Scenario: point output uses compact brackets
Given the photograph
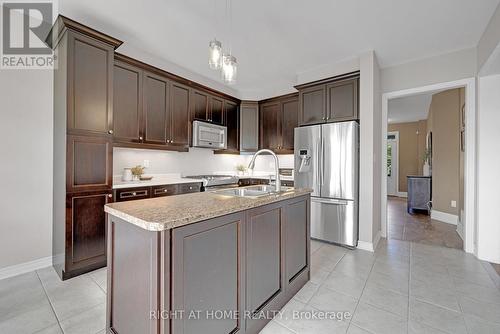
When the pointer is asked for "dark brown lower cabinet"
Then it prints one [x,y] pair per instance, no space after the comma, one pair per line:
[207,270]
[215,276]
[85,232]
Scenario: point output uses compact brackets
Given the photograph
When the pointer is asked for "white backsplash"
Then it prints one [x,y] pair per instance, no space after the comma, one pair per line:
[196,161]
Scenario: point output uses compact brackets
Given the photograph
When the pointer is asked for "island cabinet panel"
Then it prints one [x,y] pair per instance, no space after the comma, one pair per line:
[156,113]
[90,74]
[207,266]
[264,279]
[297,245]
[221,275]
[127,103]
[134,279]
[85,231]
[179,105]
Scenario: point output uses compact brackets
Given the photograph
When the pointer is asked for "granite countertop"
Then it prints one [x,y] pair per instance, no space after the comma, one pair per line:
[158,180]
[164,213]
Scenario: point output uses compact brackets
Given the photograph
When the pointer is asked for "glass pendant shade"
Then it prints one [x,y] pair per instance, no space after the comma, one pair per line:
[229,68]
[215,55]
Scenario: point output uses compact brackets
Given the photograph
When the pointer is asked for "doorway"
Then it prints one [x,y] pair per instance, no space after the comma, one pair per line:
[468,140]
[392,163]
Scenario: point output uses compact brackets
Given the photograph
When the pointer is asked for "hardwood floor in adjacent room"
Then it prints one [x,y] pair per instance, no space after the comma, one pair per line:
[418,227]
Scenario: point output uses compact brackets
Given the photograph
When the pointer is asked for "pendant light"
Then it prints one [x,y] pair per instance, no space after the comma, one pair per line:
[229,63]
[215,47]
[215,54]
[229,68]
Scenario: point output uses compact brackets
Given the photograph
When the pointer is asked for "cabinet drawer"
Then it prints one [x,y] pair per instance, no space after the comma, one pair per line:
[166,190]
[123,195]
[189,188]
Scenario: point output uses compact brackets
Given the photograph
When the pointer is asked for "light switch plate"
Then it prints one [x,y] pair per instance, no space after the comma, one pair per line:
[453,204]
[145,163]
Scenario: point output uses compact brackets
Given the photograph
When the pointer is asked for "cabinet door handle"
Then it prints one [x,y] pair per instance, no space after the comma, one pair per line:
[171,141]
[110,132]
[110,195]
[141,138]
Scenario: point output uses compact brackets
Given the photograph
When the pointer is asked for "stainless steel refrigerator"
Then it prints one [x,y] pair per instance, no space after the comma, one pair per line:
[327,160]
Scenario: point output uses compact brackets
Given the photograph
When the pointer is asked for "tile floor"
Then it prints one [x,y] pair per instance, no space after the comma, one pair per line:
[403,287]
[419,227]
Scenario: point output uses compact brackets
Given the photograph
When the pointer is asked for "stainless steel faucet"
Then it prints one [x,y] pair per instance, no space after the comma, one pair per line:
[251,165]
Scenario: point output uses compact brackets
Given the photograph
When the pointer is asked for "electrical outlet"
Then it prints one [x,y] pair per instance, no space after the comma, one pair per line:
[453,204]
[145,163]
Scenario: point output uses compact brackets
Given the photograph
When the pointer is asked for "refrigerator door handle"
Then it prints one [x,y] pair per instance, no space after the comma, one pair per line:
[321,153]
[318,161]
[330,201]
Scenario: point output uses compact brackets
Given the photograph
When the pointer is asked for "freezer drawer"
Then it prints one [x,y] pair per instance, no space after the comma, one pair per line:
[334,220]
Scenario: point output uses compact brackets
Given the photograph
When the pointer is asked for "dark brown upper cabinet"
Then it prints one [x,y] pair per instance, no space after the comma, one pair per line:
[156,120]
[329,100]
[179,114]
[249,126]
[232,123]
[127,103]
[289,121]
[312,105]
[278,119]
[90,77]
[199,104]
[216,110]
[269,125]
[342,100]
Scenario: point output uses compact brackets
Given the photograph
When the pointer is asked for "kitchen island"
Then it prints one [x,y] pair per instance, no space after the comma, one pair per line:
[205,262]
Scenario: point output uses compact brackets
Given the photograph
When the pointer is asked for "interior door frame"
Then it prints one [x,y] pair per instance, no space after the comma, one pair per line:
[470,242]
[395,171]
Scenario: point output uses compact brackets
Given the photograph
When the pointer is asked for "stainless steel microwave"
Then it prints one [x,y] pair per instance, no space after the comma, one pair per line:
[209,135]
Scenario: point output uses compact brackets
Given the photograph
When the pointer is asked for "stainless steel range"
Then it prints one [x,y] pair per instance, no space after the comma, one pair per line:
[215,182]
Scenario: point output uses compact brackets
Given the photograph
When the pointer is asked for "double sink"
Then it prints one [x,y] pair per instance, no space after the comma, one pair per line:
[252,191]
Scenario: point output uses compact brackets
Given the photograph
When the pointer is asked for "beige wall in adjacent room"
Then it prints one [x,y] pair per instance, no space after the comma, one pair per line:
[411,149]
[444,122]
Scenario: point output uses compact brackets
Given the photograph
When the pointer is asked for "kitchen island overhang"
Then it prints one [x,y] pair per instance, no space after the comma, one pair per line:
[205,263]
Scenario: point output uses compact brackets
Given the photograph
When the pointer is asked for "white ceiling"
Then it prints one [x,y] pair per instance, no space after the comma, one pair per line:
[275,40]
[409,108]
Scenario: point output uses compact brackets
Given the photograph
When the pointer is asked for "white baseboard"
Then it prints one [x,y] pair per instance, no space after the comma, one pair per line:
[402,194]
[25,267]
[369,246]
[444,217]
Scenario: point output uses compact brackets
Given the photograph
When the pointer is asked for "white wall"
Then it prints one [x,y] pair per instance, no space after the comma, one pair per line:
[488,163]
[196,161]
[26,166]
[443,68]
[370,151]
[489,40]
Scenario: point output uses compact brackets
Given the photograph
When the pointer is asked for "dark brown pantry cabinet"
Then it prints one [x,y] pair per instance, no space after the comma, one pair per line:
[329,100]
[83,129]
[278,118]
